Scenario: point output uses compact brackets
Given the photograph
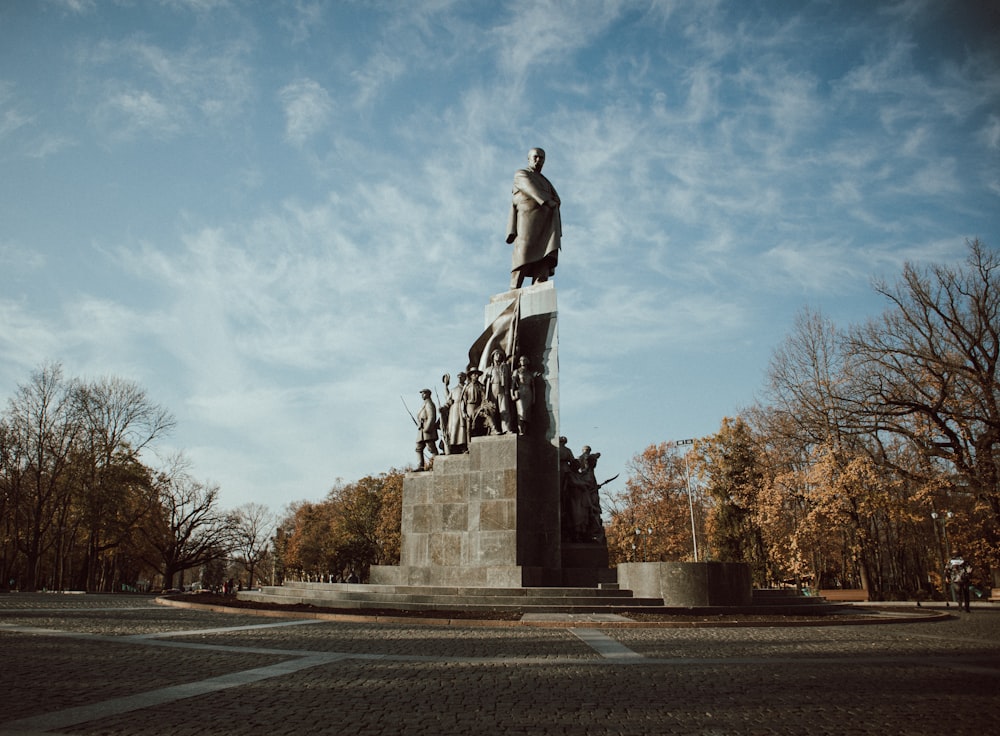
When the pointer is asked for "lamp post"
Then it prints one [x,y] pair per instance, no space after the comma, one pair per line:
[943,520]
[687,482]
[643,542]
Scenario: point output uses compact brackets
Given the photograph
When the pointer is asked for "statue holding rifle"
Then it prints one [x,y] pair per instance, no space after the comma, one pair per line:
[427,431]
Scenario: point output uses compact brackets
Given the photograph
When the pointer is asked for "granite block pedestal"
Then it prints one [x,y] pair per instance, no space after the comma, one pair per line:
[489,518]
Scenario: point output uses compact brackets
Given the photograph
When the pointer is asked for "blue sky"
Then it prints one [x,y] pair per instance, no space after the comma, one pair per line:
[280,217]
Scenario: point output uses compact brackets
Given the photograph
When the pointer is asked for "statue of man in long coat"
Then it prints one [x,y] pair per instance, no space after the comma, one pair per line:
[535,225]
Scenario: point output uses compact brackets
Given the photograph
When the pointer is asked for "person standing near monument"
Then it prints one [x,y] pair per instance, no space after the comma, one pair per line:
[535,224]
[959,573]
[427,432]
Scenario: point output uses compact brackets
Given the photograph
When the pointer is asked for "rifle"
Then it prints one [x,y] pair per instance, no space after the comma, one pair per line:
[415,422]
[601,485]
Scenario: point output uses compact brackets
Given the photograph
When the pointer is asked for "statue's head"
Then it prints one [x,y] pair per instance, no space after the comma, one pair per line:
[425,393]
[536,159]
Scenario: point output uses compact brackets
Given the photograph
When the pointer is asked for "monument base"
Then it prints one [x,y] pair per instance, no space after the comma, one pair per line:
[586,565]
[488,518]
[689,584]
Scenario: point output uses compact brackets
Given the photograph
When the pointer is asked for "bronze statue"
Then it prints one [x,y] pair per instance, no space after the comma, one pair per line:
[499,392]
[473,398]
[535,225]
[427,432]
[523,391]
[457,429]
[581,498]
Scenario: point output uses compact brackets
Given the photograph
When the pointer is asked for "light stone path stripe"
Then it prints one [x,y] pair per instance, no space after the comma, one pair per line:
[116,706]
[604,645]
[224,629]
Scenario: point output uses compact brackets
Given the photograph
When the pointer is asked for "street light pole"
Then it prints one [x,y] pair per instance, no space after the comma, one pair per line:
[687,482]
[943,521]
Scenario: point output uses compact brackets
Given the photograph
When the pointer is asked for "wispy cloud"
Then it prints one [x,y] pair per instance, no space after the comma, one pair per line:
[165,91]
[308,108]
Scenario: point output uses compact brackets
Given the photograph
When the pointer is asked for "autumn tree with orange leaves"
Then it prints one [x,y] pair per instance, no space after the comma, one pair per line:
[356,526]
[655,502]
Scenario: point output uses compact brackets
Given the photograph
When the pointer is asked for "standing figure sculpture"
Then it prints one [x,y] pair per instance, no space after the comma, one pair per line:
[473,398]
[535,225]
[458,426]
[499,391]
[593,526]
[427,431]
[523,385]
[581,498]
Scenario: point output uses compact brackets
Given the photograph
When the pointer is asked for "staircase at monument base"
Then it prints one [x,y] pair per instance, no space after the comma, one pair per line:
[350,596]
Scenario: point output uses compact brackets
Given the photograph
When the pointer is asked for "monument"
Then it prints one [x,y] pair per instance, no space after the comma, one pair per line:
[492,509]
[506,516]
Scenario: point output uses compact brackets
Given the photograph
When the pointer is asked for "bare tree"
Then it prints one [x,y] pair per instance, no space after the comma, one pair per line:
[118,421]
[253,525]
[191,529]
[928,367]
[40,431]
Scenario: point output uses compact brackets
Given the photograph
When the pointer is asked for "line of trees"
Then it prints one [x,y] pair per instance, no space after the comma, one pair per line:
[356,526]
[81,510]
[874,455]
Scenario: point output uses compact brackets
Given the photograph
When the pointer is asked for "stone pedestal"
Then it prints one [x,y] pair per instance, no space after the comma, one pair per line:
[689,584]
[489,518]
[586,565]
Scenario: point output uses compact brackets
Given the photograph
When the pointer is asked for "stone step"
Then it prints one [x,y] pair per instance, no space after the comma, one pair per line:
[444,590]
[364,596]
[526,605]
[453,605]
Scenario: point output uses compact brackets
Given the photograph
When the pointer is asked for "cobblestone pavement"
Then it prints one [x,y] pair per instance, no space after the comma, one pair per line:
[89,665]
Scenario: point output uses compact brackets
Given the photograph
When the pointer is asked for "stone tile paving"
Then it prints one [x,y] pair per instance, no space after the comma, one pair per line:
[410,640]
[390,698]
[38,673]
[126,620]
[964,633]
[925,678]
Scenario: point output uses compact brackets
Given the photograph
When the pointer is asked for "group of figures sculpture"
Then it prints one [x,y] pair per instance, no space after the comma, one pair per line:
[581,495]
[499,399]
[492,402]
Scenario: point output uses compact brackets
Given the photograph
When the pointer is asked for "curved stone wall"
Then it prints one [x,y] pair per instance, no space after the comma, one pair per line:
[689,584]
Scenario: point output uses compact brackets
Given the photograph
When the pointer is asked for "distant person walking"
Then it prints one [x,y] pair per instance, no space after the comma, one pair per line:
[959,574]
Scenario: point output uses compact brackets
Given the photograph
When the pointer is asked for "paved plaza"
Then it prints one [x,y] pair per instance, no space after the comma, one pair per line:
[89,664]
